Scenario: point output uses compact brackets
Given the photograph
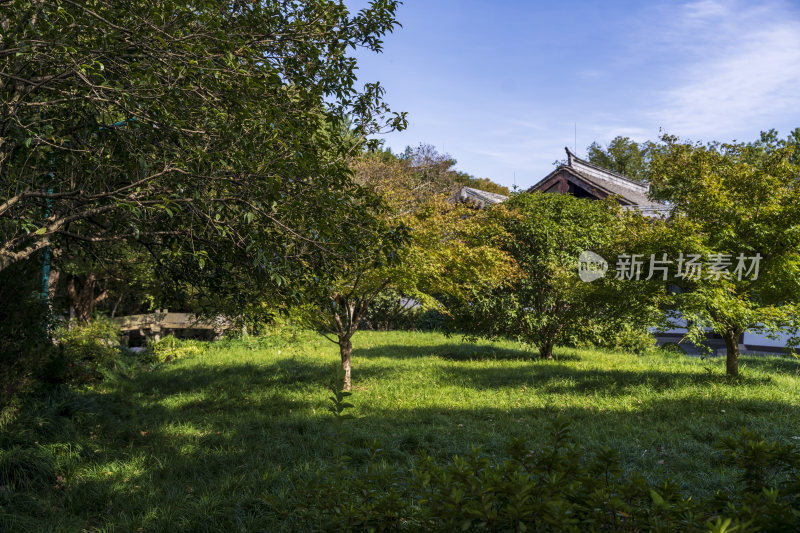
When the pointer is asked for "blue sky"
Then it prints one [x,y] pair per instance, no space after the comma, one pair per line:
[501,85]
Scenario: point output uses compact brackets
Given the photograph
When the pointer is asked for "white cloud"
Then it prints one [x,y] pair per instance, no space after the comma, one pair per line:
[704,70]
[743,70]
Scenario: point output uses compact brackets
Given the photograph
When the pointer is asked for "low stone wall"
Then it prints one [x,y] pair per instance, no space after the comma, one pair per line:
[138,328]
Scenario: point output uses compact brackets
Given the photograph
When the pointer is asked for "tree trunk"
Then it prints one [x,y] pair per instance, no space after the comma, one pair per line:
[82,297]
[546,350]
[732,358]
[345,348]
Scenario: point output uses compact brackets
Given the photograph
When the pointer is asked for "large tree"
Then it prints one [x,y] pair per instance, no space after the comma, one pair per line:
[202,131]
[739,212]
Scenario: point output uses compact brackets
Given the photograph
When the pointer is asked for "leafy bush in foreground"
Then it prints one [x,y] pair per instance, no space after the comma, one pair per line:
[554,487]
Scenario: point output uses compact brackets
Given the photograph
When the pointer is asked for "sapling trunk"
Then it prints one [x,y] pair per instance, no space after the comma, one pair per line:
[732,358]
[345,349]
[546,350]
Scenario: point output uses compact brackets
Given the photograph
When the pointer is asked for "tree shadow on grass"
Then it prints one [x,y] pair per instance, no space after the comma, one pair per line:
[455,352]
[183,448]
[287,372]
[551,377]
[218,462]
[785,365]
[682,432]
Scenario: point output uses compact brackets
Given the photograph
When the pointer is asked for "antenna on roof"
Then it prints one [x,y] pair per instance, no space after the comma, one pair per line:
[515,180]
[575,146]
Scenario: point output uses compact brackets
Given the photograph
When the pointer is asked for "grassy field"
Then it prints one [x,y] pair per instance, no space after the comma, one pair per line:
[207,442]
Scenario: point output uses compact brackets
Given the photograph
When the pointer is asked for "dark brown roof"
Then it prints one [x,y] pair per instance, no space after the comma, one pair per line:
[630,191]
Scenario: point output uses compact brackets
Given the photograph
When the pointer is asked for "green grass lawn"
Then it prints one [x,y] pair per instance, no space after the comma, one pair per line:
[207,443]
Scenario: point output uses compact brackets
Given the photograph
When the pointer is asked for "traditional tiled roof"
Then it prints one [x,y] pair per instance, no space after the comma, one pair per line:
[598,181]
[630,192]
[477,197]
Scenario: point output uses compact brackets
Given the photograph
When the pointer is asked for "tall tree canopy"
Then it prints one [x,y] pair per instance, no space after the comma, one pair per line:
[622,155]
[201,130]
[632,159]
[769,141]
[436,169]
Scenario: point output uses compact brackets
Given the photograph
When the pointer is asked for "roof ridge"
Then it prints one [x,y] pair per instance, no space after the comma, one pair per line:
[594,182]
[571,156]
[559,167]
[478,195]
[482,192]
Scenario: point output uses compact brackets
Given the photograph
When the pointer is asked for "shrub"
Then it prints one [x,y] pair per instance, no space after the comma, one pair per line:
[390,310]
[170,348]
[84,352]
[630,338]
[555,486]
[672,348]
[433,320]
[623,336]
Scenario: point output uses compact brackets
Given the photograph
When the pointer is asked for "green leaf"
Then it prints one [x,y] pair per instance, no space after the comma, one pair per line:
[657,499]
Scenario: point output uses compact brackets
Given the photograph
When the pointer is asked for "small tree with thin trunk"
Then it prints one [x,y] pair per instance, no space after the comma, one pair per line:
[440,250]
[738,209]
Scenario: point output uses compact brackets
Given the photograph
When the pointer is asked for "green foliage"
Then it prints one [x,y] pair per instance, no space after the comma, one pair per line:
[484,184]
[769,477]
[390,310]
[627,336]
[769,141]
[222,157]
[548,303]
[437,252]
[734,200]
[631,338]
[84,352]
[24,345]
[762,463]
[339,395]
[433,320]
[624,156]
[630,158]
[232,439]
[556,486]
[408,181]
[24,468]
[170,348]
